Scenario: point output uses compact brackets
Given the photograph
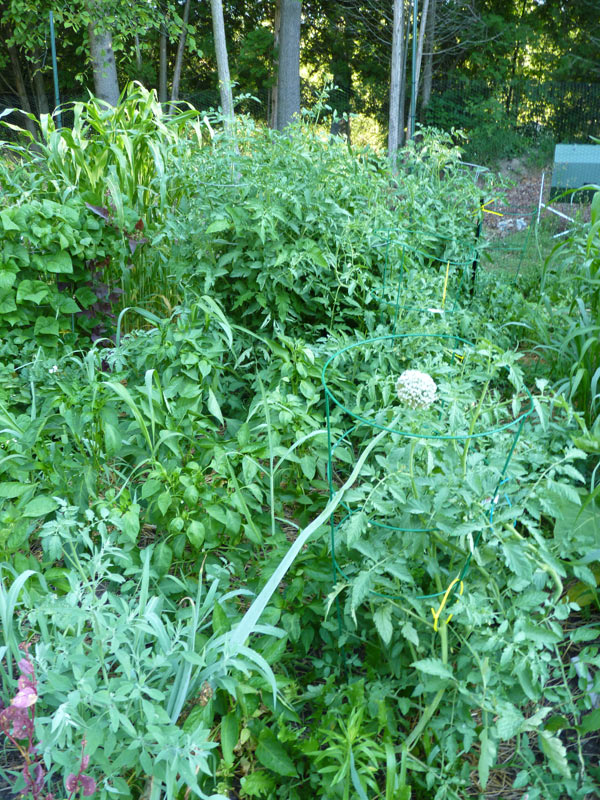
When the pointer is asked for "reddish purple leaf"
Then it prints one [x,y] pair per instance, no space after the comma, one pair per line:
[71,782]
[24,698]
[25,682]
[88,785]
[25,666]
[135,243]
[99,210]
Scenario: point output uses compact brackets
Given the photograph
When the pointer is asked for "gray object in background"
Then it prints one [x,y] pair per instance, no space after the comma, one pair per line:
[575,165]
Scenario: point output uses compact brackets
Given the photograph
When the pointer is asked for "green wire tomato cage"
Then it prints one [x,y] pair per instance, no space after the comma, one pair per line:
[415,513]
[438,278]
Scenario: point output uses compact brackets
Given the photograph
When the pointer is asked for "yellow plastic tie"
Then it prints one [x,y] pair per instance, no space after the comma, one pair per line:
[436,614]
[485,210]
[445,284]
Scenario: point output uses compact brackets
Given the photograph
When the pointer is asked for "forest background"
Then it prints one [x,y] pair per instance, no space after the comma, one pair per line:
[509,72]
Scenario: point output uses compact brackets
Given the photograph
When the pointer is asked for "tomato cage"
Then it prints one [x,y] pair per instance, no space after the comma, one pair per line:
[453,412]
[422,273]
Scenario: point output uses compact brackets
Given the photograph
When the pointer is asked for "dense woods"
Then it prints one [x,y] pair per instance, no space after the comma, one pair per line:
[284,53]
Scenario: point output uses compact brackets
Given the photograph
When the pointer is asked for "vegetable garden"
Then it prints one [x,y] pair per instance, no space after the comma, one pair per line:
[294,503]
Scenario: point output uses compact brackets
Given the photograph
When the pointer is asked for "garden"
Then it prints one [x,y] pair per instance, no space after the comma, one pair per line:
[299,480]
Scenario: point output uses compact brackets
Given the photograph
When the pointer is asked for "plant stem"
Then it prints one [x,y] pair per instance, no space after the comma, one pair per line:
[472,427]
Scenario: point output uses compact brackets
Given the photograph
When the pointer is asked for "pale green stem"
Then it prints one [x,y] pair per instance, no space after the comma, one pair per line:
[472,428]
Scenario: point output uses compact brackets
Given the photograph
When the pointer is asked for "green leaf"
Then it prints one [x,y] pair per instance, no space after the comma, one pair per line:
[309,466]
[509,721]
[433,666]
[230,727]
[86,296]
[32,291]
[217,226]
[487,756]
[46,326]
[516,559]
[354,527]
[12,489]
[555,752]
[409,632]
[66,305]
[383,622]
[59,262]
[590,722]
[163,501]
[220,620]
[361,588]
[162,558]
[214,407]
[583,634]
[7,301]
[217,512]
[130,523]
[112,439]
[243,434]
[556,723]
[258,784]
[150,488]
[273,756]
[538,634]
[195,533]
[7,222]
[39,506]
[7,278]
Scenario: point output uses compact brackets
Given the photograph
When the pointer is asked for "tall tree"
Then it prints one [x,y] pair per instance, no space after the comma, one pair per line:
[37,79]
[162,62]
[396,79]
[21,89]
[104,66]
[288,75]
[179,56]
[222,62]
[273,93]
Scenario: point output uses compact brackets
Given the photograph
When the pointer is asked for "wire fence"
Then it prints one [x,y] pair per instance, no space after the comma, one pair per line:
[567,110]
[495,116]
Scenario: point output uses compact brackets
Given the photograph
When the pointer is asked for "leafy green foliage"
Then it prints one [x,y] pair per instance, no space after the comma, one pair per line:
[151,484]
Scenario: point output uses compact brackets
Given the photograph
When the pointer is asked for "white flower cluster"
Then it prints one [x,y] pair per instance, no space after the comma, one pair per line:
[416,389]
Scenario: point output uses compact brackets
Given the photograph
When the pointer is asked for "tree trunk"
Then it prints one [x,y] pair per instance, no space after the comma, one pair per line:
[138,57]
[162,63]
[395,81]
[402,114]
[422,28]
[276,27]
[37,79]
[428,68]
[514,61]
[104,66]
[22,91]
[288,76]
[179,58]
[419,56]
[222,62]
